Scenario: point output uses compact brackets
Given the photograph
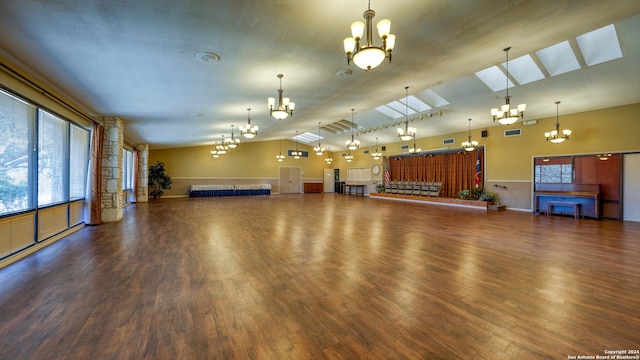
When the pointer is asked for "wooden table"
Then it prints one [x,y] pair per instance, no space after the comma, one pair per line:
[347,189]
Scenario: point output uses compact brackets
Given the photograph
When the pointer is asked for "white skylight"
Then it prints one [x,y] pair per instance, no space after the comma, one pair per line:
[524,70]
[416,104]
[494,78]
[401,108]
[397,109]
[600,45]
[558,59]
[433,98]
[307,137]
[389,112]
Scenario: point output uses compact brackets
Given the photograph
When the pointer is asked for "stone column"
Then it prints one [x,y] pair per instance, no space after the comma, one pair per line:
[143,173]
[112,170]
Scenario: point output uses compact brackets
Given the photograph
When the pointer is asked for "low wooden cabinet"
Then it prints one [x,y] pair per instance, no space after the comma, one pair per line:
[313,187]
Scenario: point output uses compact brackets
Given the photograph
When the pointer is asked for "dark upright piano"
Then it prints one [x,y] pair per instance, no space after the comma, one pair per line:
[576,199]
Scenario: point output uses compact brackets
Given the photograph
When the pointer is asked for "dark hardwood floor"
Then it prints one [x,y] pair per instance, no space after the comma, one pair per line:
[318,276]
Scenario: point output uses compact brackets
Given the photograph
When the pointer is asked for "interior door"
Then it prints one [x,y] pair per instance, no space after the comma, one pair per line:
[631,187]
[290,180]
[329,181]
[295,180]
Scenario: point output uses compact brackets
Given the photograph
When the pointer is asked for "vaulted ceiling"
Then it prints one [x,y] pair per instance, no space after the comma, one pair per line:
[148,63]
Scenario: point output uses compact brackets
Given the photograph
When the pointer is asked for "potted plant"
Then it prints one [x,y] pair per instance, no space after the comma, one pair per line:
[463,194]
[380,187]
[158,180]
[489,197]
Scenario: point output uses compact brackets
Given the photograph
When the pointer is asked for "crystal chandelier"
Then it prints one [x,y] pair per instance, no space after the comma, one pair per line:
[319,149]
[329,159]
[296,154]
[367,56]
[231,142]
[554,135]
[280,157]
[376,155]
[285,106]
[506,115]
[352,144]
[249,131]
[414,149]
[470,145]
[407,133]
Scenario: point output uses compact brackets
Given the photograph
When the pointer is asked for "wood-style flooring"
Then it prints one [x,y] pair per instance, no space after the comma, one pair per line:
[325,276]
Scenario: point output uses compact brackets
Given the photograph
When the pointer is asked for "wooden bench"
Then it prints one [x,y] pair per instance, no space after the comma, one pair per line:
[552,204]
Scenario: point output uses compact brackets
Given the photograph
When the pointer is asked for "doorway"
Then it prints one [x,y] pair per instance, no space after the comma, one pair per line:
[290,180]
[631,187]
[329,181]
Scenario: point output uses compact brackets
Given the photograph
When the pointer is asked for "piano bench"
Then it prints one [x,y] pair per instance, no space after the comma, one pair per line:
[552,204]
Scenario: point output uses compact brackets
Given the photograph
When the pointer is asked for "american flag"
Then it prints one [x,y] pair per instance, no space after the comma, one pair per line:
[387,175]
[478,171]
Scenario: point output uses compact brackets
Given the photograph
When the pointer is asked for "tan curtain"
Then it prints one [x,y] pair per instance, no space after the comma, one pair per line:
[456,171]
[94,189]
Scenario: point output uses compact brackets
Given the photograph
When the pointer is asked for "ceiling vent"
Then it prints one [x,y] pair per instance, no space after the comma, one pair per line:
[448,141]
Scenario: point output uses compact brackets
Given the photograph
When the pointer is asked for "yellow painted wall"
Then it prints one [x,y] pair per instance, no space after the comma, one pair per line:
[255,160]
[507,158]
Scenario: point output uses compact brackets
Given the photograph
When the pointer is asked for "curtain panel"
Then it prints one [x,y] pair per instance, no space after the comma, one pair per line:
[456,171]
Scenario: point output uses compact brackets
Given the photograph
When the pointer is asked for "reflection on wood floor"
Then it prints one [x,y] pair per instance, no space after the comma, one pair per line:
[319,276]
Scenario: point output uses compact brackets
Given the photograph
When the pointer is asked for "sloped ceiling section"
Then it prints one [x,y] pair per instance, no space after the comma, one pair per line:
[154,63]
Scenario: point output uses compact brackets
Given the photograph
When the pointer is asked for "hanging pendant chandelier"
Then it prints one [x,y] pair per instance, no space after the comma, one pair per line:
[414,149]
[505,115]
[249,131]
[366,55]
[407,133]
[280,157]
[554,135]
[285,106]
[470,145]
[222,148]
[353,143]
[376,155]
[319,149]
[349,157]
[329,159]
[232,143]
[214,153]
[297,154]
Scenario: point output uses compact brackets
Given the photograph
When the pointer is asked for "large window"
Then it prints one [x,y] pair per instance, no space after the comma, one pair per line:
[78,162]
[52,159]
[555,170]
[43,158]
[43,174]
[127,169]
[17,120]
[127,176]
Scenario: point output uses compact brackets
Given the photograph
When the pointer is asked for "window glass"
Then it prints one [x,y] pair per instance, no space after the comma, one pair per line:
[554,173]
[78,162]
[52,155]
[16,126]
[127,169]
